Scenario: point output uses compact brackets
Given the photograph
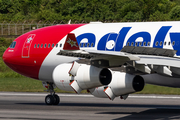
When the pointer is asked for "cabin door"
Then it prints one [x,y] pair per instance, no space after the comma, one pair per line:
[27,46]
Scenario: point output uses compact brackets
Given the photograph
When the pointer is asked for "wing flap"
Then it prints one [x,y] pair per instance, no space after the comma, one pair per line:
[149,51]
[159,60]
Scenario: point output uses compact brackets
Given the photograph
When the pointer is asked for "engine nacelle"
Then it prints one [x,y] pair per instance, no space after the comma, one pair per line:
[77,77]
[121,84]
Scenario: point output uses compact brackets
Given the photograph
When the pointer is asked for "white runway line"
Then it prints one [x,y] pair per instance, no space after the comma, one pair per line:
[41,94]
[156,97]
[88,95]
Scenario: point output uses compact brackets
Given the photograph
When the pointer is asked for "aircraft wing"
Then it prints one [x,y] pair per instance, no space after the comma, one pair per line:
[144,59]
[98,58]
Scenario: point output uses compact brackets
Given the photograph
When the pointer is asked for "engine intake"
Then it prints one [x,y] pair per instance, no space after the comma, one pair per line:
[138,83]
[105,76]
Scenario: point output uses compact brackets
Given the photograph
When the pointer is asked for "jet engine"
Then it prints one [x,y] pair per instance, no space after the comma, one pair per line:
[74,76]
[122,84]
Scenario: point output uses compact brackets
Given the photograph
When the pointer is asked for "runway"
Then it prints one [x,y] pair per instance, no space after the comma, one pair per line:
[31,106]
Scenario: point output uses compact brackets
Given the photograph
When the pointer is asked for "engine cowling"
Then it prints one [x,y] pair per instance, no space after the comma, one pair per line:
[121,84]
[77,77]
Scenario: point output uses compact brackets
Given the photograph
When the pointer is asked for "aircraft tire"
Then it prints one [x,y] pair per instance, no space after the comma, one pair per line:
[49,100]
[56,99]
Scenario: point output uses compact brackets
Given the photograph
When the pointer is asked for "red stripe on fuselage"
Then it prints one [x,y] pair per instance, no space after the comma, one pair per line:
[30,66]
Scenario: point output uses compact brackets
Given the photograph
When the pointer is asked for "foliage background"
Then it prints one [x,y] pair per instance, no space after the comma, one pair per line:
[89,10]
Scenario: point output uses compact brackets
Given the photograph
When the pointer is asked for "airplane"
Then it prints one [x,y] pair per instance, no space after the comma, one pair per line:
[108,60]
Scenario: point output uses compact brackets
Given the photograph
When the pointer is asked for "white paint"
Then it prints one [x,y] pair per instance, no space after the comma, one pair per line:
[85,40]
[139,39]
[110,44]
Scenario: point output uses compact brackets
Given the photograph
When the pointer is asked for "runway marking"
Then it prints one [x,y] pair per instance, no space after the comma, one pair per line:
[88,95]
[156,97]
[42,94]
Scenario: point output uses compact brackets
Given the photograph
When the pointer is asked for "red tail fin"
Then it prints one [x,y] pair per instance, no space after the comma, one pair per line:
[71,42]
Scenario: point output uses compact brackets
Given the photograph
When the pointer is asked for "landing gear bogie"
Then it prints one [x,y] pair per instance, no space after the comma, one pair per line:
[52,99]
[56,100]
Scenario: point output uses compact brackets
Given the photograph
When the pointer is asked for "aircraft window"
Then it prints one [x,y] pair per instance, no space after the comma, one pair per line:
[144,44]
[157,43]
[38,46]
[173,43]
[41,45]
[56,45]
[136,44]
[13,44]
[35,46]
[84,45]
[161,43]
[45,45]
[49,45]
[92,44]
[164,43]
[132,43]
[148,44]
[88,45]
[52,45]
[60,45]
[128,44]
[140,43]
[169,43]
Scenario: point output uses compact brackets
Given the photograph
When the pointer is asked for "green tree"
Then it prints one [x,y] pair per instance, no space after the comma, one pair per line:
[175,13]
[88,10]
[158,16]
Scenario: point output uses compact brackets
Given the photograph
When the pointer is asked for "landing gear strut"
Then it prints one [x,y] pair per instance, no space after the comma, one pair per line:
[52,98]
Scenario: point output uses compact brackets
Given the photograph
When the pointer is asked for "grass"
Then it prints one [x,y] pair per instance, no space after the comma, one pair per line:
[20,84]
[24,84]
[154,89]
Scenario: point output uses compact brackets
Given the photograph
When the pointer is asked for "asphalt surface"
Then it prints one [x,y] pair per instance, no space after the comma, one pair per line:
[31,106]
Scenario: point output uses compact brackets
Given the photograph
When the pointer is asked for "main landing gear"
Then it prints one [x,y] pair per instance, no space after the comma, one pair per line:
[52,98]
